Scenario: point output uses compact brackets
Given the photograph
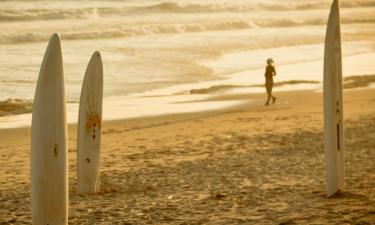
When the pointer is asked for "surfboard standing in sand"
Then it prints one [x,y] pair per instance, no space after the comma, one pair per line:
[89,127]
[333,104]
[49,174]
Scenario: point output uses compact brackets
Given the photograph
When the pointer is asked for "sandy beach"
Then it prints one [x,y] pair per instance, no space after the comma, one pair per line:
[186,137]
[249,164]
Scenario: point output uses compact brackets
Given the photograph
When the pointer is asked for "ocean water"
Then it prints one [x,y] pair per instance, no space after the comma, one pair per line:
[151,45]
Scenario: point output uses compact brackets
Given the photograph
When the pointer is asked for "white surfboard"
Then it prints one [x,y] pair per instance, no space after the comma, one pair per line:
[49,149]
[333,104]
[89,127]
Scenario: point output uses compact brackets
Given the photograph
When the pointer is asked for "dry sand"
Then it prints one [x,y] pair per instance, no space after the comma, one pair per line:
[246,165]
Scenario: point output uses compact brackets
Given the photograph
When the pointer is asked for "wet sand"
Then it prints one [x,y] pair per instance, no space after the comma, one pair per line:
[245,165]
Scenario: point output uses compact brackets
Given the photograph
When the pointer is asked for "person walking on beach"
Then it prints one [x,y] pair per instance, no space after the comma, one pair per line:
[270,72]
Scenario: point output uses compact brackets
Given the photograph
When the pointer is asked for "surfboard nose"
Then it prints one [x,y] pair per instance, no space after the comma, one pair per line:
[54,41]
[97,54]
[55,37]
[52,63]
[95,64]
[53,52]
[96,57]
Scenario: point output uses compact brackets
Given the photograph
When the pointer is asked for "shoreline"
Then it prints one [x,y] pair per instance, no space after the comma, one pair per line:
[250,102]
[156,105]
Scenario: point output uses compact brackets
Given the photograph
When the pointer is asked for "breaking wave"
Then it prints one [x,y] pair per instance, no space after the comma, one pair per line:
[15,106]
[46,14]
[154,29]
[126,31]
[165,7]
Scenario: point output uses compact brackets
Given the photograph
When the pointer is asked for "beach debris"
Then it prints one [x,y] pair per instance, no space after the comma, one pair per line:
[150,190]
[217,195]
[287,222]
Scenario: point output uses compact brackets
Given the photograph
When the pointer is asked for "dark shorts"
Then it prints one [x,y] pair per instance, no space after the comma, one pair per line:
[269,85]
